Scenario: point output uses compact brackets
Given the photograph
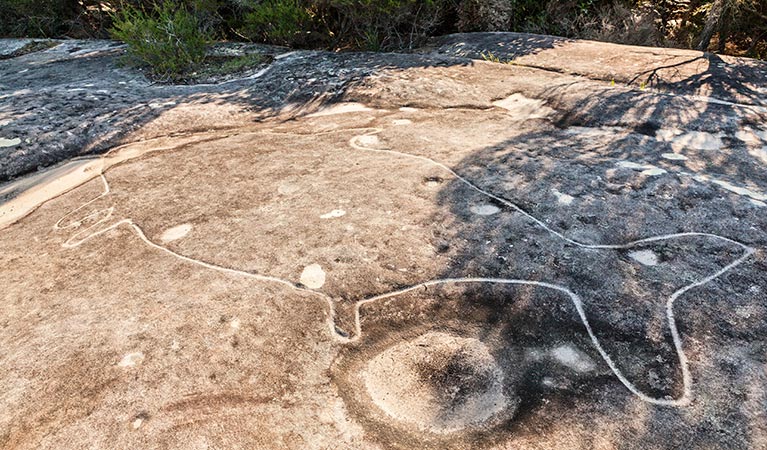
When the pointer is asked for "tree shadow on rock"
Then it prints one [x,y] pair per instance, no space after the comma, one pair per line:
[572,190]
[74,99]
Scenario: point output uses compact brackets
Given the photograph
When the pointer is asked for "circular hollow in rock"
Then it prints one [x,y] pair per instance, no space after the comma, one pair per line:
[439,383]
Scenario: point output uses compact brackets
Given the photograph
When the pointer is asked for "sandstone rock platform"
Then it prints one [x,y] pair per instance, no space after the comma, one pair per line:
[501,241]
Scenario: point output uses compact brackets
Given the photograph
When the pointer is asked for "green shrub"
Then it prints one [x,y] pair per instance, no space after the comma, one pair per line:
[175,33]
[169,39]
[55,18]
[281,22]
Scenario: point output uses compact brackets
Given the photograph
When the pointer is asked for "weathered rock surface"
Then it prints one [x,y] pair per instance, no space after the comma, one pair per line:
[371,251]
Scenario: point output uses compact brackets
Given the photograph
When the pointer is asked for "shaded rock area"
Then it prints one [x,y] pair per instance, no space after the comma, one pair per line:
[675,71]
[561,246]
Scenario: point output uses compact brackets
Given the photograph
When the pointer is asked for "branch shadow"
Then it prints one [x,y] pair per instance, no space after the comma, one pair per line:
[568,173]
[74,99]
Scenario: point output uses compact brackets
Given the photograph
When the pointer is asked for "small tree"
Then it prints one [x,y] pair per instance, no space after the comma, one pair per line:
[168,39]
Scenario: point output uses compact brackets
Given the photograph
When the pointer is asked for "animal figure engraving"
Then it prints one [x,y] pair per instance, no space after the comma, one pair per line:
[97,217]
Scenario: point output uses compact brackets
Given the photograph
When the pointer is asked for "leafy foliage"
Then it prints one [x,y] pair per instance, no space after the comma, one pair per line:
[384,24]
[282,22]
[168,39]
[36,18]
[726,26]
[365,24]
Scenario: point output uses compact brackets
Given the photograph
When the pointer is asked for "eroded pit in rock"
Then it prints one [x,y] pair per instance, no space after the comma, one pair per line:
[438,383]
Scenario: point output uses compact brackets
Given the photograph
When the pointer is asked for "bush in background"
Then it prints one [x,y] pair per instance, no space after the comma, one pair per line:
[485,15]
[283,22]
[624,22]
[359,24]
[727,26]
[168,39]
[35,18]
[384,24]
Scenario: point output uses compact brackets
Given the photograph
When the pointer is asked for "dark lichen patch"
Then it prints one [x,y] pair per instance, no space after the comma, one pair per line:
[31,47]
[452,378]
